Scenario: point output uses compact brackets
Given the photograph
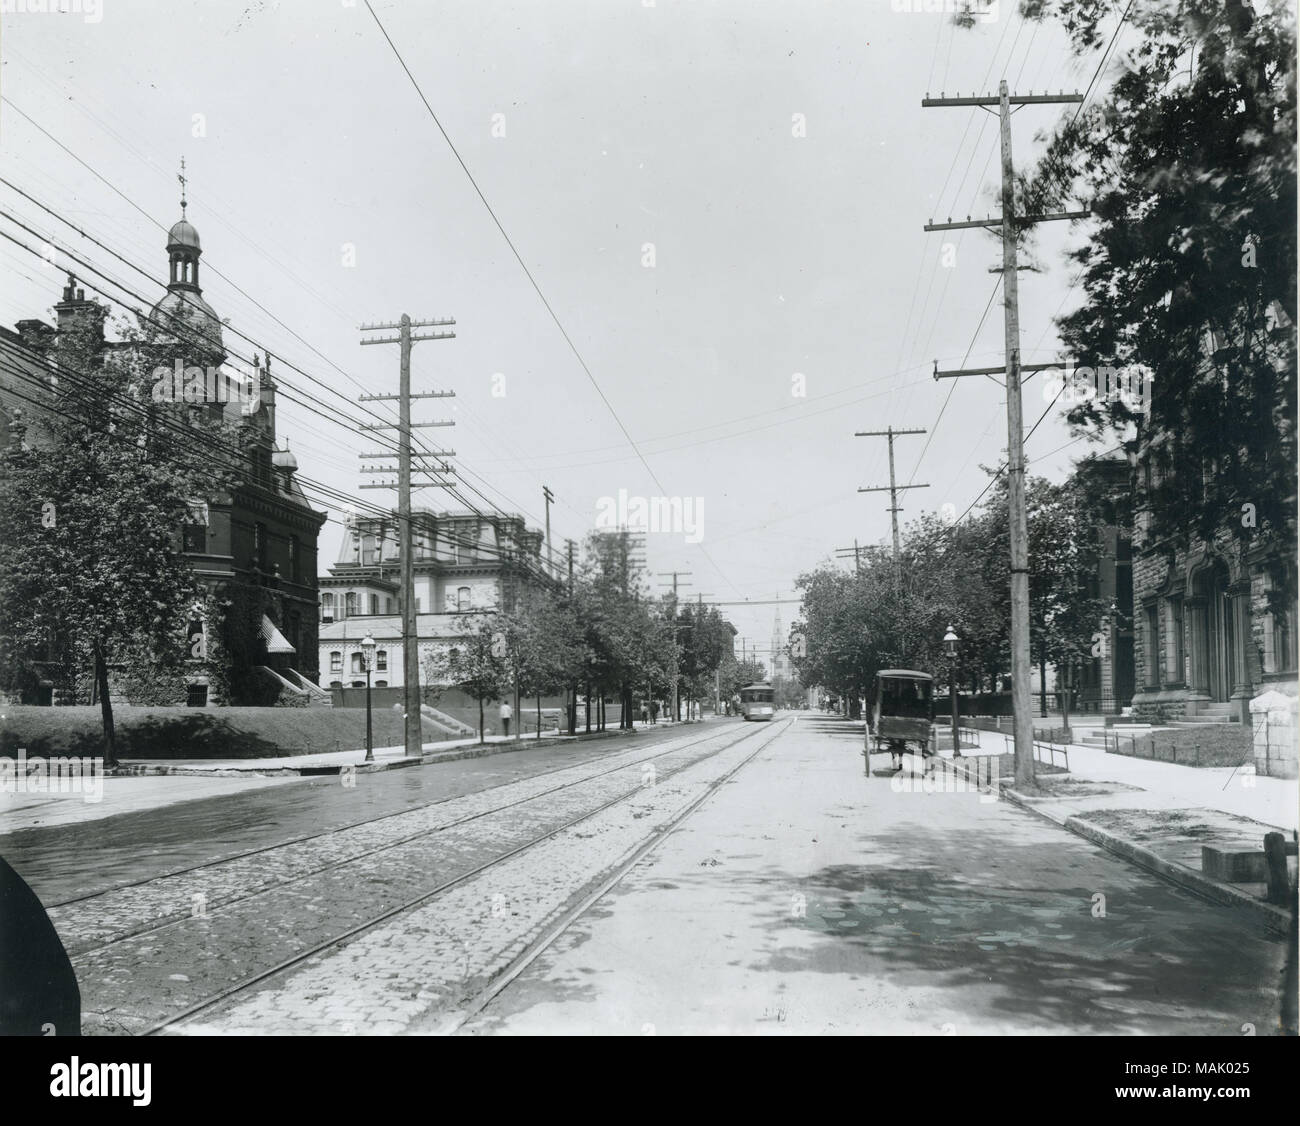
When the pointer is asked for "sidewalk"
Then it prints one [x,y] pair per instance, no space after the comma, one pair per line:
[1160,814]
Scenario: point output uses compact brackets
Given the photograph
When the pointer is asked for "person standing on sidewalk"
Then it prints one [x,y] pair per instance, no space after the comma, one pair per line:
[506,713]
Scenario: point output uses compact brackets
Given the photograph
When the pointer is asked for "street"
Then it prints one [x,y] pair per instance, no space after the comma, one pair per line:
[715,878]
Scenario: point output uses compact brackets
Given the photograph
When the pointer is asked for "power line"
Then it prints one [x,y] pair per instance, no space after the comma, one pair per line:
[514,250]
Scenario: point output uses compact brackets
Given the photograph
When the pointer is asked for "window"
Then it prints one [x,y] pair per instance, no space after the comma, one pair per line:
[327,606]
[374,604]
[381,684]
[1284,633]
[390,608]
[368,551]
[358,663]
[350,604]
[293,559]
[259,546]
[1284,647]
[336,684]
[1151,659]
[462,600]
[196,641]
[194,532]
[336,661]
[381,660]
[1176,640]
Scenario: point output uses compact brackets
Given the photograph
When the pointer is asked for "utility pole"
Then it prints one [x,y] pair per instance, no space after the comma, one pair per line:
[893,489]
[673,615]
[856,552]
[410,644]
[1010,224]
[548,496]
[569,548]
[699,621]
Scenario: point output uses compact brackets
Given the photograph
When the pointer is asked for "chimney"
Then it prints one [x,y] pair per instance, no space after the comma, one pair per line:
[79,318]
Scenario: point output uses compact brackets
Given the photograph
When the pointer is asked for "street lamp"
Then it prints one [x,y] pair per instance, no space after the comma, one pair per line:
[368,655]
[951,644]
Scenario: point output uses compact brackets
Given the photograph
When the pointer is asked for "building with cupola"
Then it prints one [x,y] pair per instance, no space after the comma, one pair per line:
[253,545]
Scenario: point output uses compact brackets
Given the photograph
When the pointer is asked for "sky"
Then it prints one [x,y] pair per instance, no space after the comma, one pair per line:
[721,201]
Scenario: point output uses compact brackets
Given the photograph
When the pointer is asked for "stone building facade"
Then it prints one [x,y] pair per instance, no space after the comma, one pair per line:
[1210,631]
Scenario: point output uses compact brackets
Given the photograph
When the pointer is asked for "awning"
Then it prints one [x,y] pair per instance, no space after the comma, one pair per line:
[276,642]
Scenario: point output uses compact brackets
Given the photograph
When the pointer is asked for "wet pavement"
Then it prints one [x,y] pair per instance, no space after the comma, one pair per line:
[77,858]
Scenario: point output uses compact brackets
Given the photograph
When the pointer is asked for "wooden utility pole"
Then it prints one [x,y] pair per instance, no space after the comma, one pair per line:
[856,552]
[570,547]
[548,496]
[1010,225]
[894,489]
[410,637]
[673,616]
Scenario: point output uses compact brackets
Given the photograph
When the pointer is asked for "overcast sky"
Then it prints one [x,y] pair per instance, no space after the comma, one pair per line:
[624,124]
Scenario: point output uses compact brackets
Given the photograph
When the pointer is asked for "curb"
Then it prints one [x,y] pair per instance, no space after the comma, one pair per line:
[428,758]
[1269,914]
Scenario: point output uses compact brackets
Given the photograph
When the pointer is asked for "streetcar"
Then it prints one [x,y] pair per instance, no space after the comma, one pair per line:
[757,702]
[902,715]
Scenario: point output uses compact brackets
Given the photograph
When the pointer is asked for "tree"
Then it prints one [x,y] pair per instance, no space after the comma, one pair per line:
[91,568]
[1189,165]
[734,674]
[544,644]
[705,639]
[476,664]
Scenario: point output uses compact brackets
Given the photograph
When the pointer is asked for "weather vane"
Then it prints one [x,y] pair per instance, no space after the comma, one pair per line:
[181,177]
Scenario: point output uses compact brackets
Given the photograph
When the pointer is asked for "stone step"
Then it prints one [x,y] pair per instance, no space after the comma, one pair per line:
[1202,720]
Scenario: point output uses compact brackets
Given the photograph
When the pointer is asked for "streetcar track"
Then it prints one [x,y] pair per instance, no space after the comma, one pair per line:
[321,835]
[551,933]
[176,918]
[424,897]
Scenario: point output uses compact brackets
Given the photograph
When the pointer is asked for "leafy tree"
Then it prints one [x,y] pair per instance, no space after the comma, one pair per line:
[476,664]
[91,568]
[544,645]
[1188,162]
[736,674]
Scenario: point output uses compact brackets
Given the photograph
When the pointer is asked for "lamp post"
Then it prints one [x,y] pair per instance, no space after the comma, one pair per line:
[368,657]
[952,643]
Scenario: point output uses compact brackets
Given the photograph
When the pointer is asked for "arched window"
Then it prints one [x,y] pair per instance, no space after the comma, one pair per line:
[462,600]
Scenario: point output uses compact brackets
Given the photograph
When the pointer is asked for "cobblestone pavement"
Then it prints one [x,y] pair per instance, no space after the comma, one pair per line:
[253,913]
[804,898]
[409,974]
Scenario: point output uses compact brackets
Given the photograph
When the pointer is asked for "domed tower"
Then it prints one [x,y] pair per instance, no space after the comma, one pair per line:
[182,314]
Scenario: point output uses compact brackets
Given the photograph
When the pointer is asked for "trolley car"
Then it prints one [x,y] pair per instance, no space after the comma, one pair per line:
[757,702]
[902,715]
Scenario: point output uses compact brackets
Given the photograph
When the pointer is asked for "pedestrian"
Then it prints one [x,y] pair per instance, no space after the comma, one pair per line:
[506,713]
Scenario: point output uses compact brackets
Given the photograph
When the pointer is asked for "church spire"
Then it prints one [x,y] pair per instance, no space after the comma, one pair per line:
[183,249]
